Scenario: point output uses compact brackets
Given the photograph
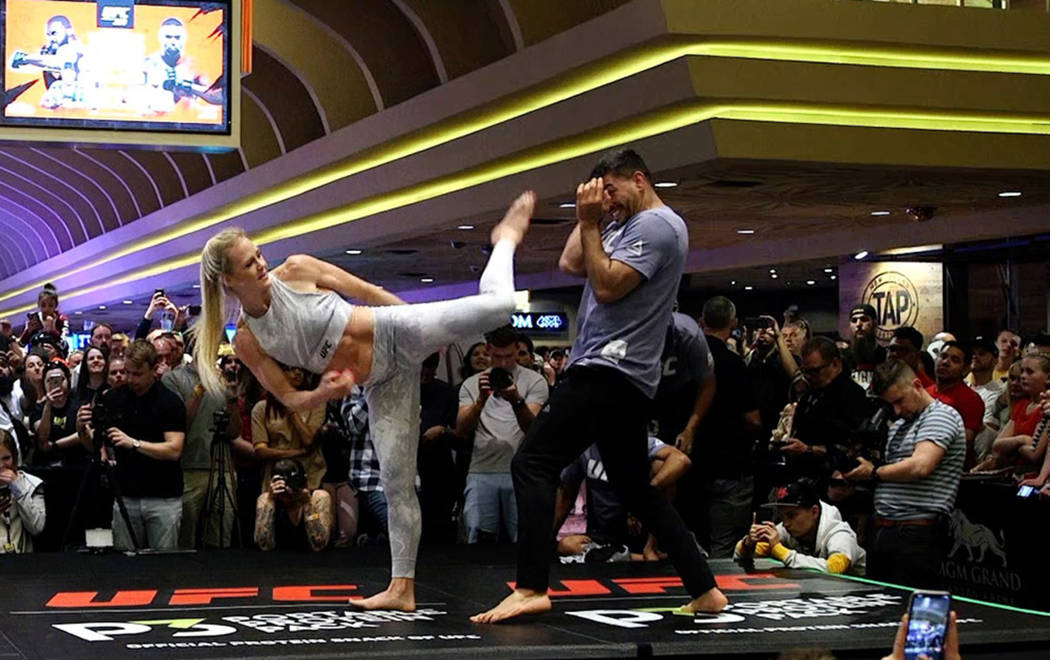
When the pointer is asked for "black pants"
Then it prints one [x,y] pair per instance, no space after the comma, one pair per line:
[909,555]
[595,405]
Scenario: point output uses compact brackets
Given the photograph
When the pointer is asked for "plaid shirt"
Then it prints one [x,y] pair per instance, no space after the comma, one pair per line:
[364,463]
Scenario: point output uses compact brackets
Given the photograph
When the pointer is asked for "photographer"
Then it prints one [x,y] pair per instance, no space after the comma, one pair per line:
[811,534]
[141,427]
[915,489]
[496,408]
[22,511]
[289,516]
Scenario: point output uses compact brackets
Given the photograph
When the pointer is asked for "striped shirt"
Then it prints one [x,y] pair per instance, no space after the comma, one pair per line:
[934,495]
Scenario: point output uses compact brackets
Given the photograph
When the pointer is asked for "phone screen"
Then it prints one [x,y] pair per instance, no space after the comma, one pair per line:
[1025,491]
[927,624]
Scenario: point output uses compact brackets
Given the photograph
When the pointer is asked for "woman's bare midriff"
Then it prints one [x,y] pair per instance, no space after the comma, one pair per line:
[355,347]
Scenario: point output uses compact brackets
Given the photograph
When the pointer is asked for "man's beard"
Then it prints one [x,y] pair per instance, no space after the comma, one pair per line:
[865,349]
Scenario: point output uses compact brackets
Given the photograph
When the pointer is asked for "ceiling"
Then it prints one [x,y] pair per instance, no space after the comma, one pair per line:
[331,79]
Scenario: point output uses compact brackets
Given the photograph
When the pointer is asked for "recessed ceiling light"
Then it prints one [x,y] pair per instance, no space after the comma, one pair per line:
[196,286]
[665,184]
[426,280]
[774,276]
[567,205]
[1010,193]
[126,302]
[732,283]
[811,282]
[353,252]
[101,306]
[834,277]
[748,288]
[829,270]
[745,231]
[880,212]
[465,227]
[78,312]
[860,255]
[772,270]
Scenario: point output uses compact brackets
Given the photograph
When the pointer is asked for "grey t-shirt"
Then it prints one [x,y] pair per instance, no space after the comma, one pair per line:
[629,334]
[196,453]
[689,359]
[498,434]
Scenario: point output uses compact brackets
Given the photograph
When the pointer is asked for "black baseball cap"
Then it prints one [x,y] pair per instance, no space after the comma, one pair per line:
[801,493]
[862,308]
[984,343]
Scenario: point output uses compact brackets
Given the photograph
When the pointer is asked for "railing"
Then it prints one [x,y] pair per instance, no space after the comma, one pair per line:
[1021,5]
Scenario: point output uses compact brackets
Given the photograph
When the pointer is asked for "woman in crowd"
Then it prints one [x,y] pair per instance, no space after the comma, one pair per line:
[46,319]
[1023,439]
[94,374]
[296,315]
[279,433]
[22,513]
[476,360]
[31,385]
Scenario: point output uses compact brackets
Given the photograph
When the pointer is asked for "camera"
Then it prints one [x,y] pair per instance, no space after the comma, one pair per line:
[500,378]
[866,441]
[293,475]
[103,418]
[220,422]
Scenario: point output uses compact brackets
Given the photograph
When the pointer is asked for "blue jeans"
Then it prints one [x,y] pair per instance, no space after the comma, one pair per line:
[374,502]
[156,522]
[488,502]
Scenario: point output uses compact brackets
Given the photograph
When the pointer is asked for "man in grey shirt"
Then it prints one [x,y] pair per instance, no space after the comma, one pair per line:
[633,265]
[496,420]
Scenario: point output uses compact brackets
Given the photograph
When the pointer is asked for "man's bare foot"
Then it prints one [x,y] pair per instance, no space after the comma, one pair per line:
[516,222]
[400,595]
[710,602]
[519,602]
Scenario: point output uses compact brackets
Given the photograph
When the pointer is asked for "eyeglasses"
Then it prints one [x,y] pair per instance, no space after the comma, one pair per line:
[813,371]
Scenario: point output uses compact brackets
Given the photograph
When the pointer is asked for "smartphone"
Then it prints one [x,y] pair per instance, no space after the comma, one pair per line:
[928,613]
[194,310]
[158,292]
[1025,491]
[756,323]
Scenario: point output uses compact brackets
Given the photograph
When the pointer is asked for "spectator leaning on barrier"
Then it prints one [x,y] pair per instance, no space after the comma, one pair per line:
[146,429]
[915,489]
[811,534]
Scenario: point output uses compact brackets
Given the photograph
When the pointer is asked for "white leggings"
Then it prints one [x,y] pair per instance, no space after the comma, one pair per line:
[404,336]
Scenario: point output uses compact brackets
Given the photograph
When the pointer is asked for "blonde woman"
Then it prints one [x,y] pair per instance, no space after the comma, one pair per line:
[295,315]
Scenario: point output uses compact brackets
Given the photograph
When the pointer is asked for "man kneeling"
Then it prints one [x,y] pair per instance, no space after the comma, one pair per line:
[812,534]
[290,517]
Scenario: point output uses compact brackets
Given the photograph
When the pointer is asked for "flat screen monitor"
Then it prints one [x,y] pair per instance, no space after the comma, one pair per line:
[121,72]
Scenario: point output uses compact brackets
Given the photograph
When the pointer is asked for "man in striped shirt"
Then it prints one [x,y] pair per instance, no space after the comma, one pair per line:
[915,488]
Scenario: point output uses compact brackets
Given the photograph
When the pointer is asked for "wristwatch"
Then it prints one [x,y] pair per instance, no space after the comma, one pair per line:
[875,475]
[136,444]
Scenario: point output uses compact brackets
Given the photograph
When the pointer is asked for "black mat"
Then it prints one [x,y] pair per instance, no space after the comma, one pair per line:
[244,604]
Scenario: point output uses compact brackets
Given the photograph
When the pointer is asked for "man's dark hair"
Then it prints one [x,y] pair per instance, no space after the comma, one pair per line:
[101,324]
[911,335]
[557,354]
[965,348]
[826,347]
[543,351]
[718,313]
[525,339]
[502,337]
[890,373]
[623,163]
[432,360]
[142,352]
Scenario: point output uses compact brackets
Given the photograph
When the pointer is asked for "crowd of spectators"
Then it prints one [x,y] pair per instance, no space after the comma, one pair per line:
[859,448]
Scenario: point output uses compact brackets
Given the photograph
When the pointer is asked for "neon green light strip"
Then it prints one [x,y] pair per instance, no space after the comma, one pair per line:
[605,137]
[585,79]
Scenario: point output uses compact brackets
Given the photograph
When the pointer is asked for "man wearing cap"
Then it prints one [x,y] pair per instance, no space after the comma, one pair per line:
[915,489]
[982,379]
[865,350]
[953,362]
[812,534]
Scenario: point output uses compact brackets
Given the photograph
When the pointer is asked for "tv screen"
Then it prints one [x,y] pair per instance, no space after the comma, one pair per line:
[158,66]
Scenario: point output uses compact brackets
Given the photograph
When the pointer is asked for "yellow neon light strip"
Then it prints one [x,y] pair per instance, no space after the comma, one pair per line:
[585,79]
[625,131]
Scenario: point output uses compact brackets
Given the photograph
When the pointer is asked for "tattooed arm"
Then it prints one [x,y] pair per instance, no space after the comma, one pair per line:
[319,520]
[264,522]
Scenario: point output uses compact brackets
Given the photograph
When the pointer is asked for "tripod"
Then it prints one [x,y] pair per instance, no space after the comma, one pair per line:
[96,469]
[218,493]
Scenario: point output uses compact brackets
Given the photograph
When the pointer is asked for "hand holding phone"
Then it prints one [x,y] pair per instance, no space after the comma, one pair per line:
[927,632]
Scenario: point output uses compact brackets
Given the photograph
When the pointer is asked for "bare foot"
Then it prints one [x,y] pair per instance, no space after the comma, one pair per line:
[710,602]
[400,595]
[516,222]
[520,601]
